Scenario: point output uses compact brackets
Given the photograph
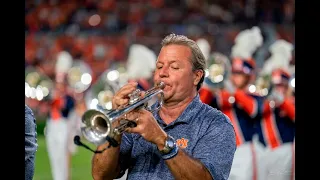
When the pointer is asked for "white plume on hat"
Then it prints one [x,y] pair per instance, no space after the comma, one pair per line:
[141,62]
[292,69]
[64,62]
[281,54]
[247,42]
[204,47]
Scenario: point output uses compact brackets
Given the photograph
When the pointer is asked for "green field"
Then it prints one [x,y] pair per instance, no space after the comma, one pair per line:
[81,163]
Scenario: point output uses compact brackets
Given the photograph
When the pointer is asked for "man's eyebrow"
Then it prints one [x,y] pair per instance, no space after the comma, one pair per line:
[170,62]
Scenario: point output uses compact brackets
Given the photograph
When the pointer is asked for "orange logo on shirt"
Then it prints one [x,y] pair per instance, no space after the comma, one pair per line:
[183,143]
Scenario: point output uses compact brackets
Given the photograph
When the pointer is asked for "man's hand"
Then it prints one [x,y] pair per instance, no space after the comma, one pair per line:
[277,97]
[229,86]
[121,98]
[147,127]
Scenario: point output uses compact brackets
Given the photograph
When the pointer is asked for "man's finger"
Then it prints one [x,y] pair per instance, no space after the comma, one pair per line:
[118,102]
[131,115]
[136,129]
[142,94]
[125,90]
[121,98]
[122,102]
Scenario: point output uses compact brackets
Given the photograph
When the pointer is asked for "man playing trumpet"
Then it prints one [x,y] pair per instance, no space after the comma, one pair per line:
[185,139]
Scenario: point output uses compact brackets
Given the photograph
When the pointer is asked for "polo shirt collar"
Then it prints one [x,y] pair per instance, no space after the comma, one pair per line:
[186,116]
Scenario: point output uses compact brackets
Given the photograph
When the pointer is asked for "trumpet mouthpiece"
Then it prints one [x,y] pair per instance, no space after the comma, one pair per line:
[161,85]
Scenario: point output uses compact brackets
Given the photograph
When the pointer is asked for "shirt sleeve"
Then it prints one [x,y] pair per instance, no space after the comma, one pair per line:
[125,153]
[217,147]
[30,143]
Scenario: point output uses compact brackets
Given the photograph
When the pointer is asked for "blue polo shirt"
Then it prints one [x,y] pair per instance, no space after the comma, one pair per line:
[201,131]
[30,143]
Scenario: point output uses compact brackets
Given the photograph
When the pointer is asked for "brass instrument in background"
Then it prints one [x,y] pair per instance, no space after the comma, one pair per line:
[219,69]
[101,92]
[37,84]
[263,85]
[79,76]
[98,124]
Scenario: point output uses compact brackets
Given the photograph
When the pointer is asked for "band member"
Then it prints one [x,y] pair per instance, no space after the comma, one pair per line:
[30,143]
[57,131]
[277,127]
[242,106]
[185,139]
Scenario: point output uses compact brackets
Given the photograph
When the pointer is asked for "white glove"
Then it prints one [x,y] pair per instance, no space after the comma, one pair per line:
[229,87]
[277,97]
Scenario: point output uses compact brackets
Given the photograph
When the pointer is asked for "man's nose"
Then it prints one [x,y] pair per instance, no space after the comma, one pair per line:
[164,72]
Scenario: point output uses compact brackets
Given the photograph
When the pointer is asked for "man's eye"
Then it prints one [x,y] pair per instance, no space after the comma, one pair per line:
[174,67]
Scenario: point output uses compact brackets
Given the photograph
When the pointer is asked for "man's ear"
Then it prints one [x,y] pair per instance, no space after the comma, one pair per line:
[197,76]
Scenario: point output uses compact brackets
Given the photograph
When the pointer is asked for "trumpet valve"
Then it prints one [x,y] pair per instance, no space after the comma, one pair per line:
[134,96]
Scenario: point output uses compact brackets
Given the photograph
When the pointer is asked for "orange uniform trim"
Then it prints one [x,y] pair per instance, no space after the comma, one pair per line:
[247,102]
[293,162]
[206,95]
[57,104]
[224,99]
[254,162]
[239,136]
[289,108]
[269,128]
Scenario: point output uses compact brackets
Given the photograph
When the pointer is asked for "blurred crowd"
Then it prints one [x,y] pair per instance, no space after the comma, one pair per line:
[100,32]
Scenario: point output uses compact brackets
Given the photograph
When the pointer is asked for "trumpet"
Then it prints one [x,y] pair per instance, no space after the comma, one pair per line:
[98,124]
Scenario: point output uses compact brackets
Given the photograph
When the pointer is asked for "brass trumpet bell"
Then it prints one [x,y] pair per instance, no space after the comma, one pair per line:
[98,124]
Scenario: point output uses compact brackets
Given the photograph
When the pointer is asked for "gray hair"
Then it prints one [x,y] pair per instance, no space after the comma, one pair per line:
[198,60]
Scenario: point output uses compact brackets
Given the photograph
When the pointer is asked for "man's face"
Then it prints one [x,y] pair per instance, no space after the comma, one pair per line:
[174,68]
[239,80]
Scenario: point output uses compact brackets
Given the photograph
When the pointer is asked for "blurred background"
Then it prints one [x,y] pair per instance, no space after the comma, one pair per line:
[95,36]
